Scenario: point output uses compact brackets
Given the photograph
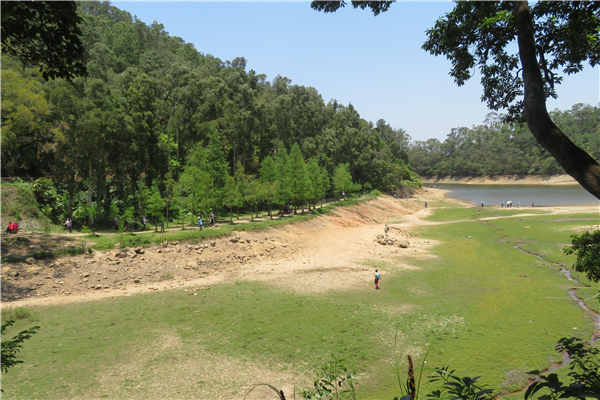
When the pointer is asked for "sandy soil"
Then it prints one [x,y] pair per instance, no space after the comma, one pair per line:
[327,253]
[506,180]
[335,251]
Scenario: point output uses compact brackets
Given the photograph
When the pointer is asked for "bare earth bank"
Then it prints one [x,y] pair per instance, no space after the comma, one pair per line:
[562,179]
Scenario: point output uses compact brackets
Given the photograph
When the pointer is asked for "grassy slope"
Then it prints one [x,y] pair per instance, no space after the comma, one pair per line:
[469,302]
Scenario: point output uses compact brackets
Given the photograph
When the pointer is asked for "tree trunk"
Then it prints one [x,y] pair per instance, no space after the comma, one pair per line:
[573,159]
[90,216]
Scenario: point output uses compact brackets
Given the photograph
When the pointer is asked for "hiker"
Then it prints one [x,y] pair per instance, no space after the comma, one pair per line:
[162,225]
[377,278]
[344,194]
[68,224]
[116,223]
[212,218]
[200,223]
[425,204]
[144,220]
[10,227]
[135,224]
[386,229]
[126,226]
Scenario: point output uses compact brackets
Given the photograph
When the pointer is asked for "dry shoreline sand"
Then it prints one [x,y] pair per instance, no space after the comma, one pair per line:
[505,180]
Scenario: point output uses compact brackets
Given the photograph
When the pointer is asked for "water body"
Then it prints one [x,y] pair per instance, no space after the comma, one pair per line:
[542,195]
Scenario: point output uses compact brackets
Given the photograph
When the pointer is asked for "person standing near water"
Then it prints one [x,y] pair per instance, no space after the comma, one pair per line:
[482,203]
[377,278]
[532,204]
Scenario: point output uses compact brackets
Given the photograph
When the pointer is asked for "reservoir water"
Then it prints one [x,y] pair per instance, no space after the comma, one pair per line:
[542,195]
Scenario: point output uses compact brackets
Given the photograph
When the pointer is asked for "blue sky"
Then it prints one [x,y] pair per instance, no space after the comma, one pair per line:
[375,63]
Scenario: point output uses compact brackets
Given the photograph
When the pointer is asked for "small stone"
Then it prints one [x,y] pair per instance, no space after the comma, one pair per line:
[30,260]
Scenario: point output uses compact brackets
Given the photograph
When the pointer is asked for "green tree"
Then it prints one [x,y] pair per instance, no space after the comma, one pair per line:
[253,195]
[326,183]
[298,178]
[45,34]
[155,205]
[342,179]
[551,36]
[269,194]
[316,185]
[284,193]
[587,250]
[231,195]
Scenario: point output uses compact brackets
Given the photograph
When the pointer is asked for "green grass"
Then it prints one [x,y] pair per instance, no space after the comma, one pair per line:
[477,303]
[457,212]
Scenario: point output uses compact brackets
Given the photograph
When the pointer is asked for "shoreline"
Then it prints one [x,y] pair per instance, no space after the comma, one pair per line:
[562,179]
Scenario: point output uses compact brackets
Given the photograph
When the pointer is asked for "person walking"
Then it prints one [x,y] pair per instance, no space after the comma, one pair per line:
[425,204]
[68,224]
[200,223]
[144,220]
[377,279]
[386,229]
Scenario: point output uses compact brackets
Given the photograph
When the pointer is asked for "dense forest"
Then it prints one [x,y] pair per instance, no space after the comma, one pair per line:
[497,148]
[157,122]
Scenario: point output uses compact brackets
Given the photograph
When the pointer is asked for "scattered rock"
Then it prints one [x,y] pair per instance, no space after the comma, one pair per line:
[121,255]
[30,260]
[403,243]
[139,250]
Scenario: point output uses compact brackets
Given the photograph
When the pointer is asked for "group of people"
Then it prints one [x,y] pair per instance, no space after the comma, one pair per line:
[117,223]
[13,227]
[211,220]
[508,203]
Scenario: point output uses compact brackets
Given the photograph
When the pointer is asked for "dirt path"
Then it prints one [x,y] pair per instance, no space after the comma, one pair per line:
[333,252]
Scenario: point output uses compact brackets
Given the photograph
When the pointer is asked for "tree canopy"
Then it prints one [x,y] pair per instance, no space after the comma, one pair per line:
[45,34]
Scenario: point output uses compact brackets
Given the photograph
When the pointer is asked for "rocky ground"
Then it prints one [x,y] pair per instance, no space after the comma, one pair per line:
[331,252]
[295,249]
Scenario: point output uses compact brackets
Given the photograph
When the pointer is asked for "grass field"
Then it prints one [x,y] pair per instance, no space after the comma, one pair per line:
[483,306]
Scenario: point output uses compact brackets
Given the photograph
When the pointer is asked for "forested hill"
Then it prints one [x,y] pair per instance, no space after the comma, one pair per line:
[150,97]
[496,148]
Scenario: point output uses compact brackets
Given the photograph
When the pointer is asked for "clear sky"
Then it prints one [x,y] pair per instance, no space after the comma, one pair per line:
[375,63]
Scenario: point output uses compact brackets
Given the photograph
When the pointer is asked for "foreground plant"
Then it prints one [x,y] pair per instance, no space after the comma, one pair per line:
[336,382]
[10,347]
[585,373]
